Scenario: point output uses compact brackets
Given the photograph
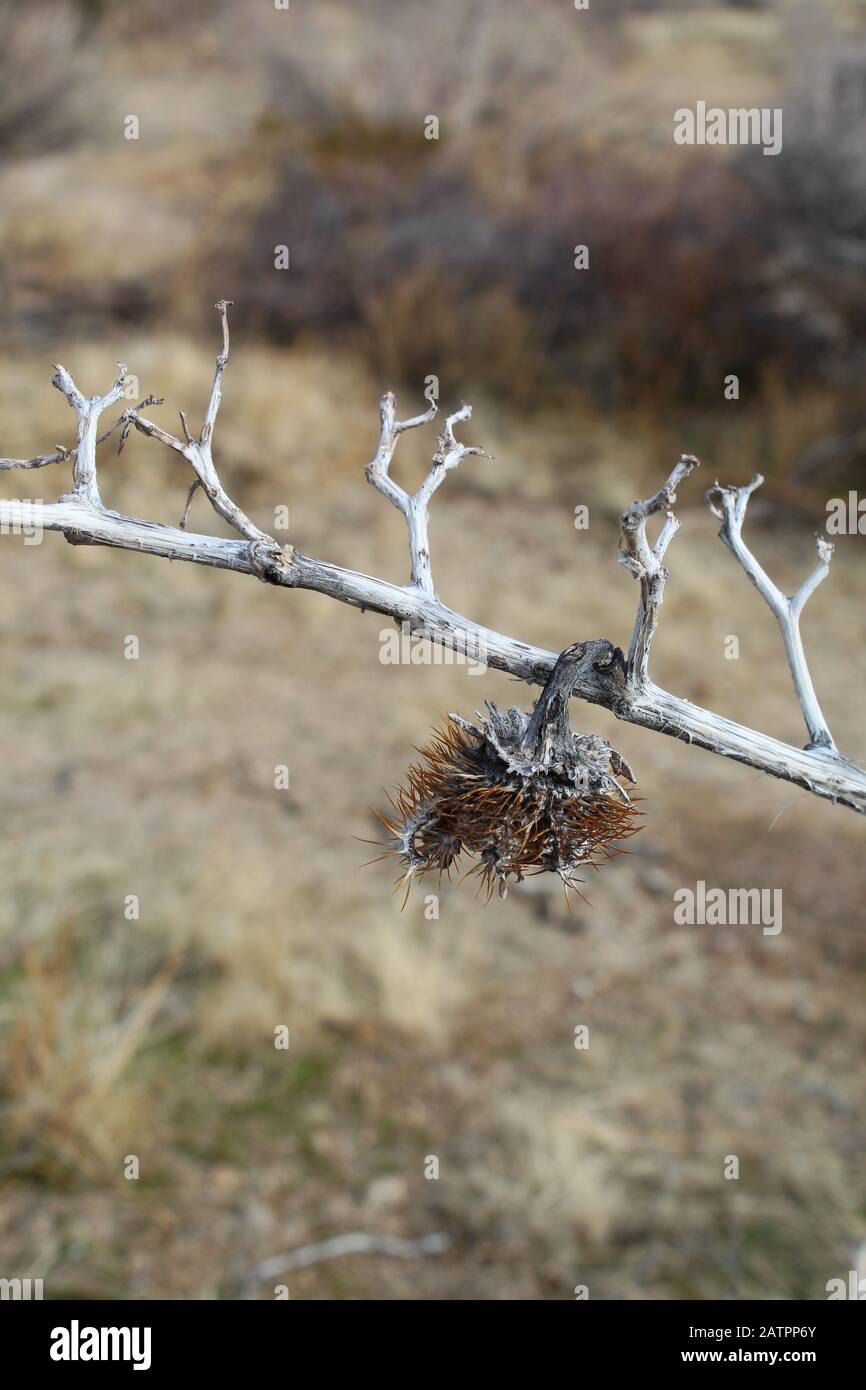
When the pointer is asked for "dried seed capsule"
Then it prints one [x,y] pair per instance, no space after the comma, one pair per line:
[519,793]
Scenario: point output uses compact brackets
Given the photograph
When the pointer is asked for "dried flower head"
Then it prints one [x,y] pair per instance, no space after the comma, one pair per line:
[521,794]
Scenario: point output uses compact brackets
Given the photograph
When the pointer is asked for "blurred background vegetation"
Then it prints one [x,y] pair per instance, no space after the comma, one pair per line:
[410,257]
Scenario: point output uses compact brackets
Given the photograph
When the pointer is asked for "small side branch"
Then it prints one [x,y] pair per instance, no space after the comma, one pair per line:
[61,453]
[199,453]
[222,307]
[88,410]
[644,561]
[414,506]
[729,505]
[59,456]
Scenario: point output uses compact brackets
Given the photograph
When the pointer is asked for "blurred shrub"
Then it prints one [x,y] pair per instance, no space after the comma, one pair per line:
[456,256]
[42,74]
[721,270]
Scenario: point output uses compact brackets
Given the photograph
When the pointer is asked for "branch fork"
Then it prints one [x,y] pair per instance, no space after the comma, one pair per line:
[88,410]
[644,561]
[198,451]
[265,558]
[414,506]
[729,505]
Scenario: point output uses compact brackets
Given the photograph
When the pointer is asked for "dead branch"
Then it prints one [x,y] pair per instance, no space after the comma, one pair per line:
[354,1243]
[414,506]
[601,673]
[731,510]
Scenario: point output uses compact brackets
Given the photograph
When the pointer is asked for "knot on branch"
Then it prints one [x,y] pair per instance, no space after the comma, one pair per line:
[269,561]
[594,670]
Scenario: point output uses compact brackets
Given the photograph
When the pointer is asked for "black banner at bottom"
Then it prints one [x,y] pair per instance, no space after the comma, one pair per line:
[153,1338]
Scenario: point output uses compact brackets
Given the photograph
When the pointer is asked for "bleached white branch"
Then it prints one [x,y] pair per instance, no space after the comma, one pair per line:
[602,675]
[88,410]
[645,563]
[414,506]
[199,451]
[729,505]
[336,1247]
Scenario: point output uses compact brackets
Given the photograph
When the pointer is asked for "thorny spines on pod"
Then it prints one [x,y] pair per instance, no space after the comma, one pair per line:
[516,803]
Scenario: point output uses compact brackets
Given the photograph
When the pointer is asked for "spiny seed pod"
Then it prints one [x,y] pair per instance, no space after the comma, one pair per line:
[521,794]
